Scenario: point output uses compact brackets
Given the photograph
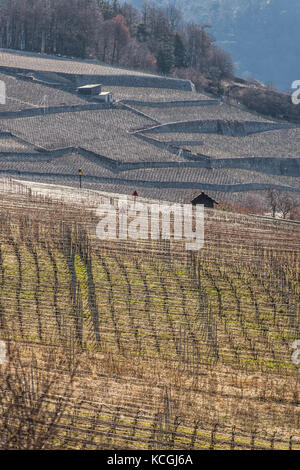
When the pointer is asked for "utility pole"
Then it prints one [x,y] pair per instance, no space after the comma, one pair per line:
[80,175]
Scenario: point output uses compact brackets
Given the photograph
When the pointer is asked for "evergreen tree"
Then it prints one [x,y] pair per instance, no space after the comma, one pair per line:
[179,51]
[116,7]
[107,9]
[141,32]
[165,56]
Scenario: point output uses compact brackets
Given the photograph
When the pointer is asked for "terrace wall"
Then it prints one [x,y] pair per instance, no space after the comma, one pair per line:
[29,112]
[222,127]
[170,104]
[226,188]
[118,79]
[273,166]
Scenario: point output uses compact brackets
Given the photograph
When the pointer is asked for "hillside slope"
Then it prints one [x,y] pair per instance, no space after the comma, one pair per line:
[165,348]
[159,136]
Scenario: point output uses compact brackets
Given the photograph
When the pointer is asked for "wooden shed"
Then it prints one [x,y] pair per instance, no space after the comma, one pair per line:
[93,89]
[204,199]
[106,97]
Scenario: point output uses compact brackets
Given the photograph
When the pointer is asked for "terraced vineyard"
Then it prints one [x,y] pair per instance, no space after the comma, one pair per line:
[142,344]
[159,136]
[24,94]
[268,144]
[163,95]
[189,113]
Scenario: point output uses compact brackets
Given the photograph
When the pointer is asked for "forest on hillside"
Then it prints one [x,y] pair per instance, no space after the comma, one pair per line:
[153,38]
[262,35]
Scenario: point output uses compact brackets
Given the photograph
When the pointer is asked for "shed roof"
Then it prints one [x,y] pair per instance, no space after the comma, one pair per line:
[204,194]
[90,86]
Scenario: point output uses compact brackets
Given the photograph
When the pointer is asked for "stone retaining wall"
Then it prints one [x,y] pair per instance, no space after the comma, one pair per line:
[170,104]
[30,112]
[230,188]
[217,126]
[131,80]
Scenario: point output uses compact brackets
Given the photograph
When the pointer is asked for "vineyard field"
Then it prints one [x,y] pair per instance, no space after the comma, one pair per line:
[142,344]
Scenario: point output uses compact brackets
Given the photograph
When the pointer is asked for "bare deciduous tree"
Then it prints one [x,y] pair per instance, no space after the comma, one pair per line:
[282,202]
[287,203]
[272,198]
